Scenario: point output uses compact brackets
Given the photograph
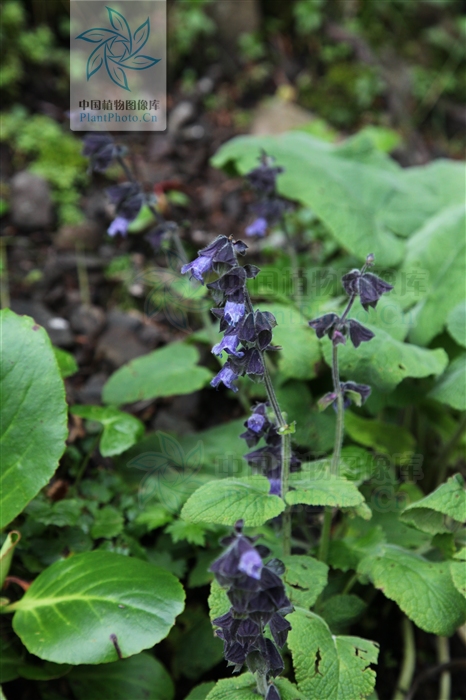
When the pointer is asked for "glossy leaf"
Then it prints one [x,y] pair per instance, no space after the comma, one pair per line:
[228,500]
[121,430]
[441,511]
[450,388]
[423,589]
[329,667]
[33,430]
[170,371]
[72,609]
[141,676]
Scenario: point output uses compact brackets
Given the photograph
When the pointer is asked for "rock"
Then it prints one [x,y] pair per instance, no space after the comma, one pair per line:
[91,392]
[31,204]
[275,116]
[87,320]
[119,343]
[58,328]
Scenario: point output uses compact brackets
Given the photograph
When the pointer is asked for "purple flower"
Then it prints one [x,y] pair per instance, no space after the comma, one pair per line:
[338,338]
[257,228]
[250,564]
[118,225]
[351,388]
[359,333]
[264,177]
[101,149]
[226,376]
[216,256]
[229,343]
[234,312]
[275,487]
[256,421]
[368,286]
[324,325]
[197,268]
[272,693]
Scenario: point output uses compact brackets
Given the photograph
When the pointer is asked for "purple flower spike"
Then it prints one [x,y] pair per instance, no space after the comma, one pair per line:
[359,333]
[275,487]
[324,324]
[226,376]
[256,422]
[118,225]
[197,268]
[257,228]
[367,285]
[349,388]
[229,343]
[250,564]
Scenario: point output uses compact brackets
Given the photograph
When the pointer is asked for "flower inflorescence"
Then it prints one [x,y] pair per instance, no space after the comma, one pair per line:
[258,600]
[270,207]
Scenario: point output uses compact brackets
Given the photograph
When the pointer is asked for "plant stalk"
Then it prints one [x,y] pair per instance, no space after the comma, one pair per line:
[409,661]
[443,656]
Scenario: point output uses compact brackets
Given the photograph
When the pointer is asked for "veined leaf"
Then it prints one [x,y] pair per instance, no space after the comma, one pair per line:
[423,589]
[244,688]
[323,490]
[458,571]
[228,500]
[328,667]
[441,511]
[305,579]
[33,423]
[78,608]
[450,387]
[121,430]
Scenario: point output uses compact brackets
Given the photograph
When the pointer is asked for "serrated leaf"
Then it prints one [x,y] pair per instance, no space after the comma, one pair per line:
[121,430]
[228,500]
[141,676]
[329,667]
[450,388]
[66,362]
[323,490]
[170,371]
[384,362]
[194,533]
[456,323]
[244,688]
[305,579]
[423,589]
[441,511]
[218,600]
[69,612]
[33,413]
[108,523]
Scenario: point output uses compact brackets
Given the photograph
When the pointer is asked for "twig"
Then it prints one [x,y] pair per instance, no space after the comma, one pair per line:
[443,655]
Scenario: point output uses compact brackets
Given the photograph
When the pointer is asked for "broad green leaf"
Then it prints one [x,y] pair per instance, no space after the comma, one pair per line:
[423,589]
[72,609]
[435,257]
[244,688]
[300,351]
[108,523]
[450,388]
[384,362]
[329,667]
[200,692]
[33,413]
[345,194]
[121,430]
[386,438]
[441,511]
[305,579]
[341,611]
[45,672]
[458,571]
[218,600]
[323,489]
[456,323]
[141,676]
[170,371]
[228,500]
[66,362]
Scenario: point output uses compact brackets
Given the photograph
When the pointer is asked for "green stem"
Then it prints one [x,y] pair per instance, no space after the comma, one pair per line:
[409,661]
[4,285]
[443,656]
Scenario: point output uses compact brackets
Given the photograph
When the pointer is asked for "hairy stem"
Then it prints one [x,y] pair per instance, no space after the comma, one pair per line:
[409,661]
[261,682]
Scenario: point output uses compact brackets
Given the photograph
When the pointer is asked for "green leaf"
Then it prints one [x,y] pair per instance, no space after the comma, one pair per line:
[62,513]
[194,533]
[441,511]
[141,676]
[384,362]
[108,523]
[386,438]
[458,571]
[319,175]
[197,649]
[121,430]
[73,607]
[170,371]
[10,661]
[200,692]
[33,414]
[305,579]
[423,589]
[44,672]
[244,688]
[296,359]
[322,489]
[66,362]
[341,611]
[456,323]
[6,554]
[154,517]
[450,388]
[435,256]
[329,667]
[228,500]
[218,600]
